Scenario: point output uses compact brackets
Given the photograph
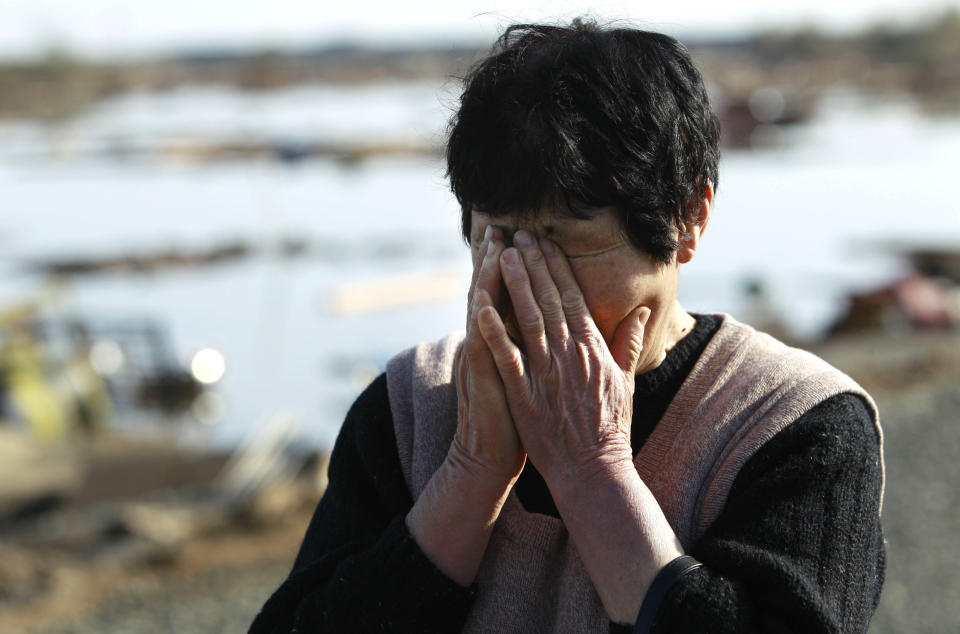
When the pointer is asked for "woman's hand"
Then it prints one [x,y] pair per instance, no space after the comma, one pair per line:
[570,396]
[486,441]
[572,400]
[453,518]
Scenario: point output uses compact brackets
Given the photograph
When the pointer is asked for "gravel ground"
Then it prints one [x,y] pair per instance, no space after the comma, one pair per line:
[916,383]
[220,601]
[216,582]
[921,515]
[918,396]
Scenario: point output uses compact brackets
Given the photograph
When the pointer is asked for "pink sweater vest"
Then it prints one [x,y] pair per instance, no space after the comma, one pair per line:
[744,389]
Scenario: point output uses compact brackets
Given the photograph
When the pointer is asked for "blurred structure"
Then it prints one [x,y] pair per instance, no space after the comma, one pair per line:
[928,298]
[62,381]
[762,83]
[64,377]
[760,309]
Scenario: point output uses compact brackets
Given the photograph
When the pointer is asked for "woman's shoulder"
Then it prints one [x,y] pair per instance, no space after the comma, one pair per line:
[425,361]
[837,433]
[366,436]
[423,406]
[746,359]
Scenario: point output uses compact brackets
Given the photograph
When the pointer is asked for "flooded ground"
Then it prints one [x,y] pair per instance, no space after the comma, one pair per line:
[301,329]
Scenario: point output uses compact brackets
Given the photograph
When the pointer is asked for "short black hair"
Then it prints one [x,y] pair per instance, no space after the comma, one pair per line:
[581,116]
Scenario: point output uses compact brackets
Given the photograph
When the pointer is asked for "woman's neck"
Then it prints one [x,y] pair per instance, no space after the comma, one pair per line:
[681,324]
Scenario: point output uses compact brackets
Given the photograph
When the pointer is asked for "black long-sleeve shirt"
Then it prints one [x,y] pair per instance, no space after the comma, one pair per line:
[798,547]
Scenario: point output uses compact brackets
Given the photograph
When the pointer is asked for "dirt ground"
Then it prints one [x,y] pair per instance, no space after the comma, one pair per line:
[916,383]
[216,584]
[216,581]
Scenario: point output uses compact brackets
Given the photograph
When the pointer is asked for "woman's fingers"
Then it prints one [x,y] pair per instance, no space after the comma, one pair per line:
[483,370]
[481,378]
[527,312]
[544,289]
[488,277]
[628,340]
[477,252]
[485,429]
[575,311]
[506,356]
[486,269]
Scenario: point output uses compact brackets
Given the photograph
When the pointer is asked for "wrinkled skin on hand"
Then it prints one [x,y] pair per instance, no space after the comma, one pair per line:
[486,442]
[569,395]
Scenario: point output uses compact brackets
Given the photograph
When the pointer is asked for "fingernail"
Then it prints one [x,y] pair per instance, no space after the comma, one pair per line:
[644,316]
[511,257]
[486,319]
[523,239]
[488,232]
[547,247]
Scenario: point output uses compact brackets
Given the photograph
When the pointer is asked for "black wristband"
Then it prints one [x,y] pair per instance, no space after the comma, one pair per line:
[658,589]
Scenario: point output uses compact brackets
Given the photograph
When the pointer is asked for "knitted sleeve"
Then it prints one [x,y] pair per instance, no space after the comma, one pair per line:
[359,569]
[799,546]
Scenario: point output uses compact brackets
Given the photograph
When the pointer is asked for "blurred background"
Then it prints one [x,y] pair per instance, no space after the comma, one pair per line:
[217,223]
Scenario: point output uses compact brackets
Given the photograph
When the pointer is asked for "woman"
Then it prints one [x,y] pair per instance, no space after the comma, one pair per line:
[589,456]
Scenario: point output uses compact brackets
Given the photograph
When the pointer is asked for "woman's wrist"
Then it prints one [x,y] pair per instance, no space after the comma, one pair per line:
[453,518]
[612,467]
[491,480]
[622,536]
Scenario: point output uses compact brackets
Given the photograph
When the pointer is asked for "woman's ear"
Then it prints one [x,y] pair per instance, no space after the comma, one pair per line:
[694,225]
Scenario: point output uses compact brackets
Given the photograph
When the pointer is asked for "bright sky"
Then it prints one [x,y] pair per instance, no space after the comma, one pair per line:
[107,27]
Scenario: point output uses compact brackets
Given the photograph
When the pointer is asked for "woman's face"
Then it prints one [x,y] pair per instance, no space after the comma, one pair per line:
[615,276]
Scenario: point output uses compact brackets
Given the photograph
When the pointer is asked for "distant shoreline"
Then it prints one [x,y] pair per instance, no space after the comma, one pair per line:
[921,60]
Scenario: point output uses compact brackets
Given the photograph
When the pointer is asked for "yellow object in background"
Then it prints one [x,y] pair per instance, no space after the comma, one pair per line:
[40,406]
[52,398]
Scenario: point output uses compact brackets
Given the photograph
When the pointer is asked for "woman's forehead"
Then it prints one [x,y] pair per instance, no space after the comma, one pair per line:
[600,222]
